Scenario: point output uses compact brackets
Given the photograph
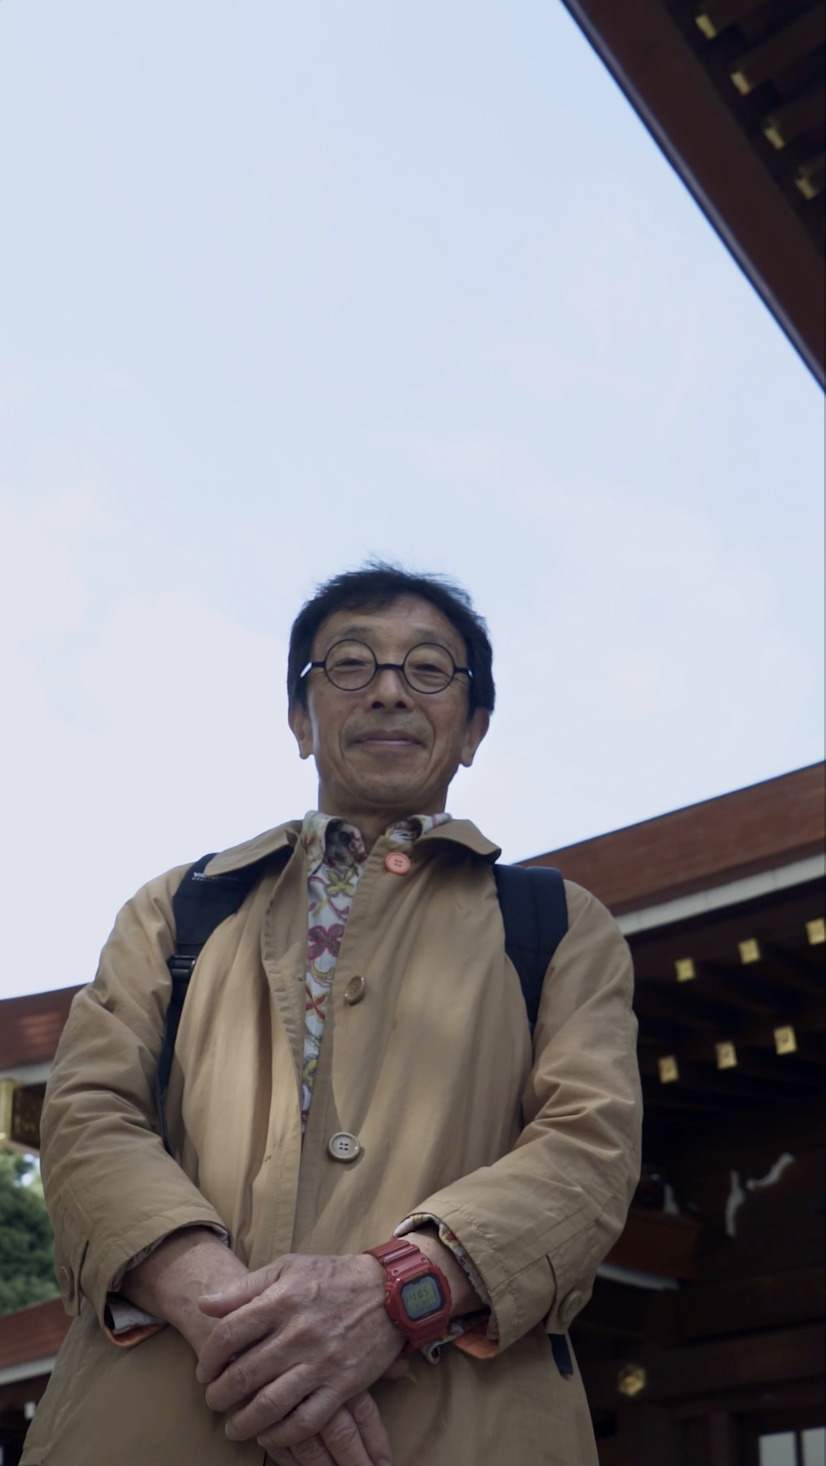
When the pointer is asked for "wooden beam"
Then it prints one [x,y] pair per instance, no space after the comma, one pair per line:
[727,1084]
[666,84]
[654,1242]
[798,972]
[742,989]
[766,1359]
[717,15]
[779,50]
[786,123]
[706,1310]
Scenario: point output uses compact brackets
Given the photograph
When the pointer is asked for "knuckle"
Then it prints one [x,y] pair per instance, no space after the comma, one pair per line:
[311,1452]
[363,1408]
[342,1430]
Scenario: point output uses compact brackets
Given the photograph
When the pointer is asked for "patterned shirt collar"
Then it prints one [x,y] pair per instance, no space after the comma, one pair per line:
[331,841]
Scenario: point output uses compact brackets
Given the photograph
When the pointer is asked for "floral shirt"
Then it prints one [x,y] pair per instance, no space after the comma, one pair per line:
[336,857]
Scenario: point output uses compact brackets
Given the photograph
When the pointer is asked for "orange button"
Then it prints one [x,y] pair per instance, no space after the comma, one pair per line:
[397,862]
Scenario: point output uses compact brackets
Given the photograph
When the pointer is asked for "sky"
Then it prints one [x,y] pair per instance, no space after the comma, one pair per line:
[288,286]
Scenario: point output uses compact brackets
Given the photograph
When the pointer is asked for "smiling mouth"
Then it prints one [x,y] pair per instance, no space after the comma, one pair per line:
[387,740]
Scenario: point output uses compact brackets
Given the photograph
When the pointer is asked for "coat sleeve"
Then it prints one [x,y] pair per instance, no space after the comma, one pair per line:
[112,1190]
[537,1223]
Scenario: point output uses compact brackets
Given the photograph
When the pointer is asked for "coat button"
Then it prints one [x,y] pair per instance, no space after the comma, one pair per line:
[354,991]
[570,1306]
[397,862]
[343,1147]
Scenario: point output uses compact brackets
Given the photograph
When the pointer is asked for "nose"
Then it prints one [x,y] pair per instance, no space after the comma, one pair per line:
[390,689]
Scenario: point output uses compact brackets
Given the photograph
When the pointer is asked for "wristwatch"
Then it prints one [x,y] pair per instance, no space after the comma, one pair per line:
[416,1293]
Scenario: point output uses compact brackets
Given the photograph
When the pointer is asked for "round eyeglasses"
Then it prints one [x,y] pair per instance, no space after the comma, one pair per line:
[352,665]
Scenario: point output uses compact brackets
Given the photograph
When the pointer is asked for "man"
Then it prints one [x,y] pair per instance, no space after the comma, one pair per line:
[353,1068]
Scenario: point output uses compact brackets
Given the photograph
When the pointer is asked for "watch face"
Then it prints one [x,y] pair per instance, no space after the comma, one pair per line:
[421,1298]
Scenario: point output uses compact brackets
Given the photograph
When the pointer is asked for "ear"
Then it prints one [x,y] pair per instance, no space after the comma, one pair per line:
[477,726]
[302,729]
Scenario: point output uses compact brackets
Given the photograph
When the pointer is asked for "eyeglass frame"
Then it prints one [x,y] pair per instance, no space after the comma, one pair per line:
[387,667]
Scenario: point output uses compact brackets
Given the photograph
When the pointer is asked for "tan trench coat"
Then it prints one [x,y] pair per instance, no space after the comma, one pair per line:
[531,1162]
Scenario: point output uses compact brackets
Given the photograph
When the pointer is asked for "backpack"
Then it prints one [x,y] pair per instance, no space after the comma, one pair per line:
[532,901]
[534,913]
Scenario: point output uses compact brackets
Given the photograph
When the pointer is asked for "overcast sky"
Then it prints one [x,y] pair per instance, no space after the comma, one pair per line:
[285,286]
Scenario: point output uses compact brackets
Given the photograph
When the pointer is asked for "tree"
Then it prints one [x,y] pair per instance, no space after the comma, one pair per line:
[26,1237]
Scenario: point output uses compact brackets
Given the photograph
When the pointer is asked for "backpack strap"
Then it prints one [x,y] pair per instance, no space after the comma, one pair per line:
[199,905]
[535,913]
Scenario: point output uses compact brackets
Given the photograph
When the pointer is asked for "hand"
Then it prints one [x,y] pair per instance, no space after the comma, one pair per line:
[297,1340]
[354,1437]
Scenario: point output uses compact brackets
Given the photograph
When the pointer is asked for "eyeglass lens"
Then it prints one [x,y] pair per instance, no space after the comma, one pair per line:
[351,665]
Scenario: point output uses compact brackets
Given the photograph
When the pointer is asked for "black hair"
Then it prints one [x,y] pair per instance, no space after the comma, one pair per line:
[376,585]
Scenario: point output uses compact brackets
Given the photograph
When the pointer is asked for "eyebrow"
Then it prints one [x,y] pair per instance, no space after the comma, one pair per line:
[361,633]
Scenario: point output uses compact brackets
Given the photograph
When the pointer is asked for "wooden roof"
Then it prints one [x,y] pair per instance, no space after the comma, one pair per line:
[730,999]
[707,844]
[733,93]
[32,1334]
[31,1026]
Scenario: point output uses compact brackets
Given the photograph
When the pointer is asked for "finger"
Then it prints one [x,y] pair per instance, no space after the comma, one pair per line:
[239,1331]
[338,1444]
[308,1419]
[312,1453]
[269,1406]
[365,1413]
[244,1290]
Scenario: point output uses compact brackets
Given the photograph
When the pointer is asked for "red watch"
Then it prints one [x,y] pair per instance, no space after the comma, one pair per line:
[416,1293]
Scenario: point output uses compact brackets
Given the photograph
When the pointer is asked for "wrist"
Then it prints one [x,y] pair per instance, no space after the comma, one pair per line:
[181,1269]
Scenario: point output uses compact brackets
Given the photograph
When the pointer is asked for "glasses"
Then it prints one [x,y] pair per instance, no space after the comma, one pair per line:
[352,665]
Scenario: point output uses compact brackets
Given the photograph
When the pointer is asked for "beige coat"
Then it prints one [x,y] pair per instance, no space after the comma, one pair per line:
[531,1162]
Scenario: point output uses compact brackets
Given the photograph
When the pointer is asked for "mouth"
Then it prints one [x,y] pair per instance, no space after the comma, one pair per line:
[390,738]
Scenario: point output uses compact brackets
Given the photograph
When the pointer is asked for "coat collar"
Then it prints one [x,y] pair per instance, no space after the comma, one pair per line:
[284,837]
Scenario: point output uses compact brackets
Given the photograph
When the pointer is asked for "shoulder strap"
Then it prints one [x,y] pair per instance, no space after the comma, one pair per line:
[535,913]
[199,905]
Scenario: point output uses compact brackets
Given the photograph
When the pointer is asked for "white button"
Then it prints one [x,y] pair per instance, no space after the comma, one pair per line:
[343,1147]
[354,991]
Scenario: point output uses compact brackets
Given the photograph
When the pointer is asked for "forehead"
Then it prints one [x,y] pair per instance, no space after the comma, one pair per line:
[395,627]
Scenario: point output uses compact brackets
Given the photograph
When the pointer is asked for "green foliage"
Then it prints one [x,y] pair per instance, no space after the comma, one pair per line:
[26,1237]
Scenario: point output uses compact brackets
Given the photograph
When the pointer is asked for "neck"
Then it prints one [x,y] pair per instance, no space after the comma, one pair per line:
[371,824]
[371,827]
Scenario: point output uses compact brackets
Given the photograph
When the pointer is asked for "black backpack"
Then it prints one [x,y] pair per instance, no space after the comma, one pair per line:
[534,912]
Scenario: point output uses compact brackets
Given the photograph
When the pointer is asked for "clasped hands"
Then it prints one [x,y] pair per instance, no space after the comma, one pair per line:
[291,1354]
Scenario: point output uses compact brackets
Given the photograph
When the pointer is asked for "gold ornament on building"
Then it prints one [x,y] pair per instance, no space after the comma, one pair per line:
[669,1069]
[726,1056]
[816,931]
[749,950]
[785,1040]
[685,969]
[631,1380]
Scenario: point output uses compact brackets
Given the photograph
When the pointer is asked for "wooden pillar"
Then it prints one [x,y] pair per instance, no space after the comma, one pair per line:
[647,1435]
[722,1439]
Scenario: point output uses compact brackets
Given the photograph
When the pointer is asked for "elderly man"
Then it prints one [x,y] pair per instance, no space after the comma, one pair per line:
[381,1200]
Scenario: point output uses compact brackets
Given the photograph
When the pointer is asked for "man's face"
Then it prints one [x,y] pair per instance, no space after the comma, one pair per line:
[385,749]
